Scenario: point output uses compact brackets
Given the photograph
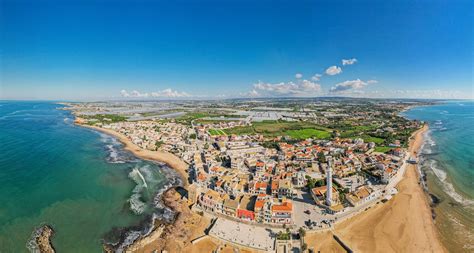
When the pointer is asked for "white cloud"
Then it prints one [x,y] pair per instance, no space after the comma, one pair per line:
[350,85]
[372,81]
[166,93]
[316,77]
[333,70]
[302,87]
[348,61]
[137,94]
[124,93]
[169,93]
[251,94]
[298,76]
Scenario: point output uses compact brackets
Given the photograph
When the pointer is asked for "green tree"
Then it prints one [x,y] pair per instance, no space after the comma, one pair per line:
[302,232]
[321,157]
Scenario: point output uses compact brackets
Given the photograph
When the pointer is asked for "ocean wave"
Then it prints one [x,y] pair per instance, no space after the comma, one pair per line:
[428,144]
[448,187]
[136,204]
[115,153]
[31,244]
[161,213]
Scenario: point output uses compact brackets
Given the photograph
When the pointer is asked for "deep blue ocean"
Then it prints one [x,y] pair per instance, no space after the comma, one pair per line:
[79,181]
[447,158]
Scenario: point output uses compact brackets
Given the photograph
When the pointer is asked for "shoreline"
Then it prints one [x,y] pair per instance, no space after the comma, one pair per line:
[403,224]
[170,198]
[346,229]
[169,159]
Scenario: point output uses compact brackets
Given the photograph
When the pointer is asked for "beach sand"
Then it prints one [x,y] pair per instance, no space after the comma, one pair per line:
[403,224]
[323,242]
[170,159]
[187,225]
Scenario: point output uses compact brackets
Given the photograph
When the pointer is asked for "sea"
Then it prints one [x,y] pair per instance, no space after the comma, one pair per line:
[79,181]
[447,161]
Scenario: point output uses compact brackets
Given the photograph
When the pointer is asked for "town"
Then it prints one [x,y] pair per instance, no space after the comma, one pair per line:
[279,165]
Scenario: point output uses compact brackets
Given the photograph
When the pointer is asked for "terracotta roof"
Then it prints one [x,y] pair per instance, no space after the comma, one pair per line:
[259,204]
[284,207]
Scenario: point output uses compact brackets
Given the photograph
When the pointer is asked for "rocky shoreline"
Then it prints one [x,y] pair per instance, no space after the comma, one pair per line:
[41,240]
[162,231]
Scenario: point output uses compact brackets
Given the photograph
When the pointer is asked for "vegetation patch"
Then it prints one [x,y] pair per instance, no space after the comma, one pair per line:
[383,149]
[276,128]
[104,118]
[308,133]
[215,132]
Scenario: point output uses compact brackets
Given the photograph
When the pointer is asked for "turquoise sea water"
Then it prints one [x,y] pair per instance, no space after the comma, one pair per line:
[447,158]
[77,180]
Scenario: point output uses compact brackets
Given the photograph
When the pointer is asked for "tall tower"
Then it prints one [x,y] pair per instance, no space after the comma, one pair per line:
[329,182]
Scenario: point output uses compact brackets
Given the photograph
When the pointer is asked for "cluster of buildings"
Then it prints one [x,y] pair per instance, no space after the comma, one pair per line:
[241,179]
[155,135]
[237,177]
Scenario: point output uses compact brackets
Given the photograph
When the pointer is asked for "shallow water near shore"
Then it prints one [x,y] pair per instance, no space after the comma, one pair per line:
[79,181]
[447,159]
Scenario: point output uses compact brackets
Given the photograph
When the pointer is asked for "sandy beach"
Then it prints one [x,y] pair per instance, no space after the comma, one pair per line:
[187,226]
[170,159]
[403,224]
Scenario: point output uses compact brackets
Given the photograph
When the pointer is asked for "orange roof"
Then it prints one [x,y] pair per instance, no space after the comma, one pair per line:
[284,207]
[274,185]
[201,177]
[260,185]
[319,191]
[260,164]
[259,204]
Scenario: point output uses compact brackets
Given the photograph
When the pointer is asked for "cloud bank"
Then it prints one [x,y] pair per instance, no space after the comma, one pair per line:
[350,85]
[166,93]
[299,88]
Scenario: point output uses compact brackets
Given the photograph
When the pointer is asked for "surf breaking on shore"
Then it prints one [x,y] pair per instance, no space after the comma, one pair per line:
[146,198]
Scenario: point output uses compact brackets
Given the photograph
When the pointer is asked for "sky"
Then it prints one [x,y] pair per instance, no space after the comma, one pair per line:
[90,50]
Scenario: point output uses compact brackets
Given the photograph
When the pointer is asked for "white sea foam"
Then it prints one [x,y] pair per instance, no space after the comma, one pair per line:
[31,244]
[447,186]
[440,174]
[136,204]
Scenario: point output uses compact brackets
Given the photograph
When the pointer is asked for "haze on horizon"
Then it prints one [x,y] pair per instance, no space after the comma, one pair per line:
[89,50]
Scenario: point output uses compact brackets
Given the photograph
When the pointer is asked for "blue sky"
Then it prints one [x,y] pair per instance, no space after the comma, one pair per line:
[219,49]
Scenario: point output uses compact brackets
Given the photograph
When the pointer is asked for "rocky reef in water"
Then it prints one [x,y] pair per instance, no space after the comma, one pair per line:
[40,241]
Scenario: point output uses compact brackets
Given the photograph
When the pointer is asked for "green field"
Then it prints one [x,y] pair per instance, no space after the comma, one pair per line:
[104,118]
[308,133]
[376,140]
[215,132]
[295,129]
[382,149]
